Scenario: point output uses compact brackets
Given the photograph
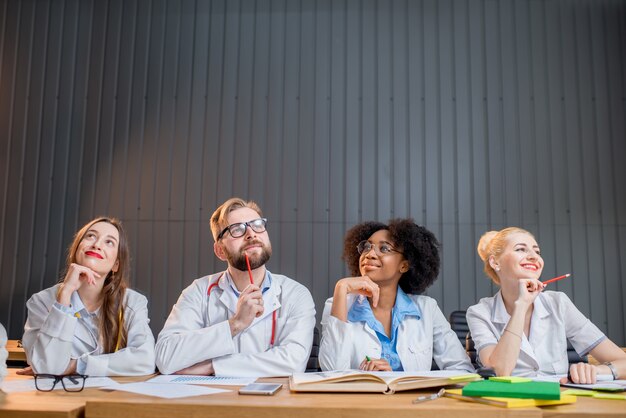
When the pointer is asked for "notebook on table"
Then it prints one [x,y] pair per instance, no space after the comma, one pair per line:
[521,390]
[508,402]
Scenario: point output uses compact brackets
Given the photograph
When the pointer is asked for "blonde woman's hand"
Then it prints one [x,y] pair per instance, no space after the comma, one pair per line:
[582,373]
[529,289]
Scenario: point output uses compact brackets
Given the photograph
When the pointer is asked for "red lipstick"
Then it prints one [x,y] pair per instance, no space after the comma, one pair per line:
[93,254]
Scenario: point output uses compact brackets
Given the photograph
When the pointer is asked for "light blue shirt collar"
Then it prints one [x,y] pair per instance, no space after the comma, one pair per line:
[267,283]
[403,307]
[361,310]
[78,305]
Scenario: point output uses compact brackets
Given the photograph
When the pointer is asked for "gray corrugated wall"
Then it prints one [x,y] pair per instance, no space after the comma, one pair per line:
[466,115]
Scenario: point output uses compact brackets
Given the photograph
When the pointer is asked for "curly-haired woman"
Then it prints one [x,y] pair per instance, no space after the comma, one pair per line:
[378,319]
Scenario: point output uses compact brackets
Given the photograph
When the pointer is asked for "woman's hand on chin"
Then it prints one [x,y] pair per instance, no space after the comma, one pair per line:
[528,289]
[361,285]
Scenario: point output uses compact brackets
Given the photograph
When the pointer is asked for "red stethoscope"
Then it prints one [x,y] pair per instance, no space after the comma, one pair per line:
[272,339]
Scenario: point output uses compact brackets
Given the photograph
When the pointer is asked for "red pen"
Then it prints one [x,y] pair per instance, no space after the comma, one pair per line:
[249,269]
[557,278]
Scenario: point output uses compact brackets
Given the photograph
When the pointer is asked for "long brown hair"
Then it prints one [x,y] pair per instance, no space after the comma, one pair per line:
[114,289]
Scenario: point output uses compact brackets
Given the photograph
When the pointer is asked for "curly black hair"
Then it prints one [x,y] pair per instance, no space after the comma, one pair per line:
[418,244]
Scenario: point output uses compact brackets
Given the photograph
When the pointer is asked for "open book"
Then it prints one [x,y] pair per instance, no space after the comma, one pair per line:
[385,382]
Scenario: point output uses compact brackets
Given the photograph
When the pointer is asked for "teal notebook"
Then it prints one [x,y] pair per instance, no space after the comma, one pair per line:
[526,390]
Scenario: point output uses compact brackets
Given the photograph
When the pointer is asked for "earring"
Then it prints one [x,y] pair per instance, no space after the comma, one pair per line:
[497,268]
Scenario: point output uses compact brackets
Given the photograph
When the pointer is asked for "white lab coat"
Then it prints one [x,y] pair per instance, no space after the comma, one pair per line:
[554,320]
[49,339]
[3,353]
[344,345]
[197,330]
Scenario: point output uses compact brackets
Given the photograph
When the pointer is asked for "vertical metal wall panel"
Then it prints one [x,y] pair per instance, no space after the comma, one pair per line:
[432,127]
[553,24]
[210,168]
[467,115]
[464,234]
[304,155]
[20,205]
[339,154]
[194,249]
[320,191]
[615,14]
[5,145]
[399,122]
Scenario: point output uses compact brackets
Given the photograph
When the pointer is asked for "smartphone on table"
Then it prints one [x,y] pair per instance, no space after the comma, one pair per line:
[260,389]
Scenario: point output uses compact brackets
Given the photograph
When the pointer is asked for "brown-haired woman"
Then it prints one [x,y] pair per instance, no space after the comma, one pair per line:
[91,323]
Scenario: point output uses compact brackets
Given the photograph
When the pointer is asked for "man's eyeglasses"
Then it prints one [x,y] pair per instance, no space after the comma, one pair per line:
[70,382]
[239,229]
[365,247]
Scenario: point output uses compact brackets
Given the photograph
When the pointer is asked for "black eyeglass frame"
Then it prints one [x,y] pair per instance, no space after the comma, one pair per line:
[375,247]
[247,225]
[59,378]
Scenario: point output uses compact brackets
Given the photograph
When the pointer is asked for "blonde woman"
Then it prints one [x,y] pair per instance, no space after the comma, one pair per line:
[524,329]
[91,323]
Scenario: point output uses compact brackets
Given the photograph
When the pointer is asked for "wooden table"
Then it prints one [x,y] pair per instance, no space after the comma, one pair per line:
[96,403]
[56,404]
[39,404]
[15,353]
[586,407]
[286,404]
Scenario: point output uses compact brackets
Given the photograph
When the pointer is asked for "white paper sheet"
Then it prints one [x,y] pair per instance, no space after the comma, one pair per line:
[558,377]
[604,382]
[202,380]
[165,390]
[28,385]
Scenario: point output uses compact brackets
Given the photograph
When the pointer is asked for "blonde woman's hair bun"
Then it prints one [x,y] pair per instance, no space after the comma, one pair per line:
[483,243]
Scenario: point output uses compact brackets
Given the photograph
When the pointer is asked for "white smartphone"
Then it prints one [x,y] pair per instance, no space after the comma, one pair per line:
[260,389]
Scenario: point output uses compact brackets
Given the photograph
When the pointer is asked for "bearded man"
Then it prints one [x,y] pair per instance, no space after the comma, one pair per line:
[244,321]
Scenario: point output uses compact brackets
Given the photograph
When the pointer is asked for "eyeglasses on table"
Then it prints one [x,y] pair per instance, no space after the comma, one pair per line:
[70,382]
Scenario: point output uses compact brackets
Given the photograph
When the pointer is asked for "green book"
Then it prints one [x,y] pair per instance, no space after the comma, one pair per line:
[522,390]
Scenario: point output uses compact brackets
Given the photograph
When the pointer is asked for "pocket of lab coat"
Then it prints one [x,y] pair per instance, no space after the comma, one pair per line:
[555,352]
[422,356]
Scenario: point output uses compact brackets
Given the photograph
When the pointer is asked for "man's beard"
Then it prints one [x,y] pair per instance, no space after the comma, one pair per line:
[238,260]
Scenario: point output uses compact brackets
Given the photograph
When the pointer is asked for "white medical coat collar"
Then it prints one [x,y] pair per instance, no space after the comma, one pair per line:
[501,316]
[271,298]
[89,320]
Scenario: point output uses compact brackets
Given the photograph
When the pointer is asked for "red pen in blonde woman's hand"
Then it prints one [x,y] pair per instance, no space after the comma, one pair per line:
[557,278]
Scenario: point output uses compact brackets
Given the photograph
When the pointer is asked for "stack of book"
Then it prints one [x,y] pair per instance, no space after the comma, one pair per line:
[511,392]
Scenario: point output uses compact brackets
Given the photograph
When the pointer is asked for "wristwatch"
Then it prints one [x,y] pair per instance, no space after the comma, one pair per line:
[612,368]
